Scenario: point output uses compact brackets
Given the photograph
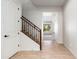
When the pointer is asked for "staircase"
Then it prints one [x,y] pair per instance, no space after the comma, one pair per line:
[31,30]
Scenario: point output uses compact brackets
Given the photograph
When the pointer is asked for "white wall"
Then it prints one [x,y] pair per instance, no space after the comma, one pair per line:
[59,33]
[28,44]
[35,16]
[70,27]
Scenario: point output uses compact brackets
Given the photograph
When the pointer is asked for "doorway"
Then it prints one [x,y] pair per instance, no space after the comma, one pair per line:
[48,28]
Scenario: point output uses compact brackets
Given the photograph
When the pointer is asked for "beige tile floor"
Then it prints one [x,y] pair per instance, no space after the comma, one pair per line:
[51,50]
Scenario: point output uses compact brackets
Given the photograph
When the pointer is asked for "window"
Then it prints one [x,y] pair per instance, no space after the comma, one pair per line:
[46,27]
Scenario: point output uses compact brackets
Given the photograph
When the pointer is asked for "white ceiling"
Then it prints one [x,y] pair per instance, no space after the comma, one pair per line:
[48,3]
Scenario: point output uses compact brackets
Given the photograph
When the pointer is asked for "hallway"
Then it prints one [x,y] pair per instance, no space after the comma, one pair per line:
[24,21]
[51,50]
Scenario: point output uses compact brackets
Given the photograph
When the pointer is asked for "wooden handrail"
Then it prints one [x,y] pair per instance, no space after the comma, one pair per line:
[31,30]
[30,22]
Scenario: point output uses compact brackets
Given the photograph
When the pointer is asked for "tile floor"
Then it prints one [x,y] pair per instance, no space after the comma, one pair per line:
[51,50]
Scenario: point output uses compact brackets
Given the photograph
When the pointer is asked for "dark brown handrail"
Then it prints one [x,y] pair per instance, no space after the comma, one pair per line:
[31,30]
[30,23]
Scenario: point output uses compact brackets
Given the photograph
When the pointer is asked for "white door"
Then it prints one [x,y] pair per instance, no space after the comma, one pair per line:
[10,16]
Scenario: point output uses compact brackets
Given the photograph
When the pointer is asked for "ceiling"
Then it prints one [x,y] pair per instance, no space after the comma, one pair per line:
[48,3]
